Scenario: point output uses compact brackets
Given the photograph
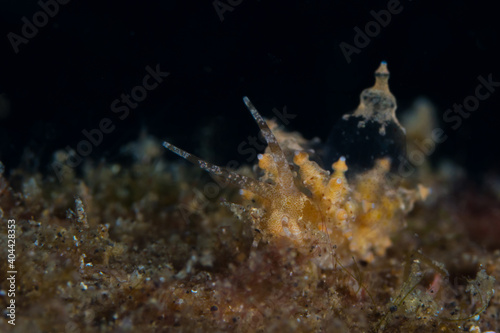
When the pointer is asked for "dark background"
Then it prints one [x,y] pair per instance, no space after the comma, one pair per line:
[279,53]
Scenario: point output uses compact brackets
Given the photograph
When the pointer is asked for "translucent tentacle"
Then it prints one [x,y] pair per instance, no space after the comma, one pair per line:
[249,184]
[279,157]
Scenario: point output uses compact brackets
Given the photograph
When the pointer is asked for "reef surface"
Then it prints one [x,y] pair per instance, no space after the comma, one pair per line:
[290,244]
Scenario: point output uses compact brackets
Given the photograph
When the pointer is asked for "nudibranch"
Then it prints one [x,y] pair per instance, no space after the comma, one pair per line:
[372,131]
[316,208]
[377,103]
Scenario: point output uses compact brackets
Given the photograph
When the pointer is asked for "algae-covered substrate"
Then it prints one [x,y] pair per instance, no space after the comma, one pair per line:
[288,244]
